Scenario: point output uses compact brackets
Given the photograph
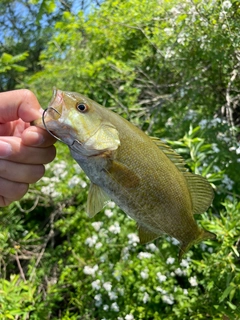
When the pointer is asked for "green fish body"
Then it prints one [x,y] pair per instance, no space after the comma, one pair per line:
[142,175]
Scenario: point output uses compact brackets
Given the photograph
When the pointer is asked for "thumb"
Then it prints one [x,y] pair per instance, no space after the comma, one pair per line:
[19,104]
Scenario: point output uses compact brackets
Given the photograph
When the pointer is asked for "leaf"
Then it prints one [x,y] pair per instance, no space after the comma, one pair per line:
[6,58]
[19,68]
[20,57]
[226,292]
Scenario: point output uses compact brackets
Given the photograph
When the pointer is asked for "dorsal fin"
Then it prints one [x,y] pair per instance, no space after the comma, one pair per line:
[171,154]
[200,190]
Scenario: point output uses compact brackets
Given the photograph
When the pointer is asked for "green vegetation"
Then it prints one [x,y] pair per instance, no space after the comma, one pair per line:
[170,67]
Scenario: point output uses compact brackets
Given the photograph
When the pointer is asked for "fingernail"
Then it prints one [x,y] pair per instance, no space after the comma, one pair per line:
[38,138]
[5,149]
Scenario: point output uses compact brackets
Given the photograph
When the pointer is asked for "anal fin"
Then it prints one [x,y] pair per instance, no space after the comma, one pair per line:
[146,235]
[97,199]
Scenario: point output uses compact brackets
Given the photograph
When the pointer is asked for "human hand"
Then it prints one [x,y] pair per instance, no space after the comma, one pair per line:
[24,149]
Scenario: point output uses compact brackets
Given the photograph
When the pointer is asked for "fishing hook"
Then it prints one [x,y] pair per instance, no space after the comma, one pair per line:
[51,133]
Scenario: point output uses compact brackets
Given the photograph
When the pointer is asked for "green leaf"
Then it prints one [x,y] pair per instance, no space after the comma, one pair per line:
[6,58]
[226,292]
[19,68]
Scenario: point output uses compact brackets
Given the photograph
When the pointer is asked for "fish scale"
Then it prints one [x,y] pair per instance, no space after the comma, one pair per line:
[141,174]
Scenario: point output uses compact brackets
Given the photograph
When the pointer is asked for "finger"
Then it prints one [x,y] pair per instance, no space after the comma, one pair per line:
[18,172]
[13,128]
[19,104]
[11,191]
[34,136]
[12,149]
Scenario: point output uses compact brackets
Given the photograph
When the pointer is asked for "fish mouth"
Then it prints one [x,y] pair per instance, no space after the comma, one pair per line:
[51,120]
[52,113]
[55,108]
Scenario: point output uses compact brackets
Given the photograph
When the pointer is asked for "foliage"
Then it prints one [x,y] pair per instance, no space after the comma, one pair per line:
[171,68]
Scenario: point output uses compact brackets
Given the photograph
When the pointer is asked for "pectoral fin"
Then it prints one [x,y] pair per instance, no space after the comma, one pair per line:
[123,175]
[97,199]
[146,235]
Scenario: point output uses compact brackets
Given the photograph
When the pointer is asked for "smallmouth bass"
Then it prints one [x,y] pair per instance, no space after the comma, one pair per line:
[142,175]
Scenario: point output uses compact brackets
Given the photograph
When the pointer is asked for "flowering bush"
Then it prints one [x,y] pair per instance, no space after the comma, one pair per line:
[96,269]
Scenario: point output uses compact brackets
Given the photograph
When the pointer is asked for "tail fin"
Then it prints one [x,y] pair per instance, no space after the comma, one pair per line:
[203,235]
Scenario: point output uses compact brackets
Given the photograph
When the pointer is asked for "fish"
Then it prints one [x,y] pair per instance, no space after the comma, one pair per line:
[145,177]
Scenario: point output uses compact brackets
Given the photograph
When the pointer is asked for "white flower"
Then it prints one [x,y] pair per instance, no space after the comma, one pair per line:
[60,169]
[144,255]
[228,182]
[89,270]
[161,277]
[111,204]
[184,263]
[159,289]
[226,5]
[175,10]
[210,249]
[91,241]
[142,288]
[115,307]
[146,297]
[107,286]
[203,246]
[216,168]
[185,291]
[50,190]
[169,54]
[108,213]
[112,295]
[105,307]
[168,299]
[77,168]
[74,181]
[97,225]
[96,284]
[121,291]
[133,239]
[170,260]
[144,274]
[83,184]
[175,241]
[168,31]
[115,228]
[98,298]
[203,123]
[238,150]
[215,148]
[117,275]
[215,121]
[179,272]
[152,247]
[129,317]
[125,253]
[193,281]
[98,245]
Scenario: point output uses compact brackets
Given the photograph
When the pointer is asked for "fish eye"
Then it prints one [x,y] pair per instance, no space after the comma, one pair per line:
[82,107]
